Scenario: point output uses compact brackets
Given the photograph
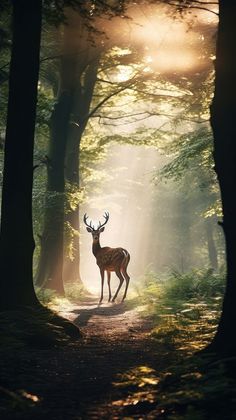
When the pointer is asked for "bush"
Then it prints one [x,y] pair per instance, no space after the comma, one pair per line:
[177,288]
[185,308]
[195,284]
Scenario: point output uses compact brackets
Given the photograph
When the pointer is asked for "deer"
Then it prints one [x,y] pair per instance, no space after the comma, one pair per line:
[109,259]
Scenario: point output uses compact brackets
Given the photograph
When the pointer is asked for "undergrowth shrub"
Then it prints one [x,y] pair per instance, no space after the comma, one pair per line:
[73,293]
[185,307]
[195,284]
[176,286]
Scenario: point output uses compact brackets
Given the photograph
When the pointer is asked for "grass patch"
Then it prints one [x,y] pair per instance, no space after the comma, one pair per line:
[74,293]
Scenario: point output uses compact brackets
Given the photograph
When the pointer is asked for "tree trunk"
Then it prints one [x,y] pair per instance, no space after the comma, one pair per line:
[16,236]
[212,251]
[81,107]
[223,117]
[49,274]
[72,262]
[50,268]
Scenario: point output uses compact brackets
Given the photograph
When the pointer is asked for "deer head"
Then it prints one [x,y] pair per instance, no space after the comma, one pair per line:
[100,228]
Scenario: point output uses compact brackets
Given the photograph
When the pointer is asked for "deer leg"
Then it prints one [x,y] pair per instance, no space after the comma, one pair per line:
[102,279]
[127,278]
[121,278]
[109,284]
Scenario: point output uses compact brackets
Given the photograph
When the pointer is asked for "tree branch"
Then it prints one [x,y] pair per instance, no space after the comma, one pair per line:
[192,6]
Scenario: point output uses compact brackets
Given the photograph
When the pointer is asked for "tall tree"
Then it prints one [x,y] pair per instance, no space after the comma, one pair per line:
[16,236]
[81,106]
[50,265]
[77,77]
[223,114]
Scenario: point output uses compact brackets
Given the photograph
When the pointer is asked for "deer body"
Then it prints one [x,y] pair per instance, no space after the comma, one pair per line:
[109,259]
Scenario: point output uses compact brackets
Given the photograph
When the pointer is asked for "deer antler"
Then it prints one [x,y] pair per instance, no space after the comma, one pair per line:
[106,217]
[90,224]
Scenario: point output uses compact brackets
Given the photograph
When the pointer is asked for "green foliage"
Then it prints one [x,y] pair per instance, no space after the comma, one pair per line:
[92,152]
[185,307]
[189,151]
[49,298]
[196,284]
[75,292]
[74,197]
[191,164]
[45,107]
[54,11]
[69,238]
[181,287]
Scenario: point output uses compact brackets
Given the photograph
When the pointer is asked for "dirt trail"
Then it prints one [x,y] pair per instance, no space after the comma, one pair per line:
[116,346]
[109,320]
[110,373]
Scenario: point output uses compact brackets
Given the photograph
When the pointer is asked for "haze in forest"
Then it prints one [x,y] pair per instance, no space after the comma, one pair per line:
[148,217]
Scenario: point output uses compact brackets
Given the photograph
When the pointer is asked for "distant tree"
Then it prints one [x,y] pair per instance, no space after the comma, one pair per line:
[192,160]
[50,267]
[83,95]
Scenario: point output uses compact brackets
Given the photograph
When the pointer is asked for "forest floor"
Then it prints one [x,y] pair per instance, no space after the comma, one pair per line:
[112,372]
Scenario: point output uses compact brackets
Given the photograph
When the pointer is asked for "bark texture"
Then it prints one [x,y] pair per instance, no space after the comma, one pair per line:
[212,251]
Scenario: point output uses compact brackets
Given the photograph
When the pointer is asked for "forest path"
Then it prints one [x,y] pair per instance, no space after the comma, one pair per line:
[111,372]
[112,321]
[116,359]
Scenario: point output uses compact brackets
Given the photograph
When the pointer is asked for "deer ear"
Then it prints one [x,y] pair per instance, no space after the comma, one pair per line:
[102,229]
[89,230]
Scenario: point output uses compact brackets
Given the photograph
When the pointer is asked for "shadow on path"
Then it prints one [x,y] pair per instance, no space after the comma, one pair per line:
[89,310]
